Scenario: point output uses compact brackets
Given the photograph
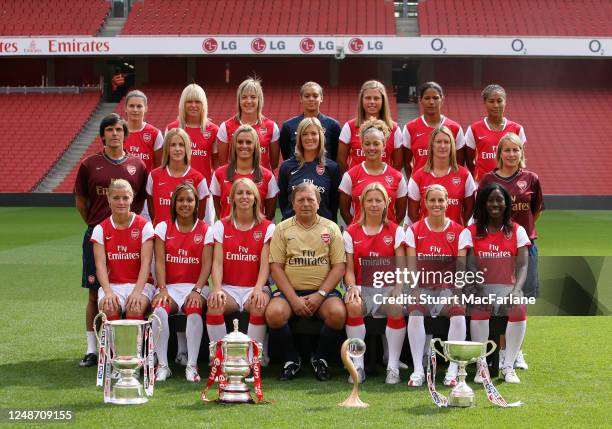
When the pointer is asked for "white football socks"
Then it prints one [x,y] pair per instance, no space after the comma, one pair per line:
[193,332]
[92,342]
[161,348]
[416,337]
[515,333]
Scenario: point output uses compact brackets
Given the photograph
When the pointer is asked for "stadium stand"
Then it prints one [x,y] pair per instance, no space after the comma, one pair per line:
[555,18]
[564,128]
[52,17]
[53,122]
[158,17]
[281,103]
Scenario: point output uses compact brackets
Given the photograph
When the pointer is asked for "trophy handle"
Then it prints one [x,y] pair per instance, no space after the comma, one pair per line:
[159,331]
[95,321]
[433,347]
[493,347]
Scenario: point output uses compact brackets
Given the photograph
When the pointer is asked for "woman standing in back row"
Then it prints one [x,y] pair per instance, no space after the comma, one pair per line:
[373,104]
[417,131]
[482,137]
[249,106]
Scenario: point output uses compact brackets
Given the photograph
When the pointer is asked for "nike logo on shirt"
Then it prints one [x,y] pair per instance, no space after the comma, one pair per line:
[227,236]
[293,172]
[419,134]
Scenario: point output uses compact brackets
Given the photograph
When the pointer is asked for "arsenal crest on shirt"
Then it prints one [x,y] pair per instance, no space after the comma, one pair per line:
[522,184]
[450,236]
[206,134]
[387,239]
[146,137]
[389,180]
[197,239]
[326,238]
[456,181]
[135,233]
[263,131]
[257,235]
[320,170]
[131,169]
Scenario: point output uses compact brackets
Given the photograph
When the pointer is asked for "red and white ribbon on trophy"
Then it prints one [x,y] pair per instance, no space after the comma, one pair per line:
[103,375]
[257,372]
[149,361]
[216,372]
[493,394]
[439,399]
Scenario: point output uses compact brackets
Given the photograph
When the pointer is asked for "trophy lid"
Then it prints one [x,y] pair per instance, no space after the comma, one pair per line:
[236,336]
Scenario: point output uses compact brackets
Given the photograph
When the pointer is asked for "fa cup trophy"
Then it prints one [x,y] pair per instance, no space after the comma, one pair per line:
[233,359]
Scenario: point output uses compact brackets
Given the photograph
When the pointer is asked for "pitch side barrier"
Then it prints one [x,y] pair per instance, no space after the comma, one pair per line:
[62,199]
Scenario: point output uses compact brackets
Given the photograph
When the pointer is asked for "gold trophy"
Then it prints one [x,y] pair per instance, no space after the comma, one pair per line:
[353,347]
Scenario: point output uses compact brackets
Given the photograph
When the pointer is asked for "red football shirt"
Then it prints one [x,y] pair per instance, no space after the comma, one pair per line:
[357,178]
[416,138]
[161,186]
[481,138]
[221,187]
[183,250]
[143,144]
[362,245]
[350,136]
[203,145]
[241,250]
[123,247]
[459,185]
[496,252]
[267,131]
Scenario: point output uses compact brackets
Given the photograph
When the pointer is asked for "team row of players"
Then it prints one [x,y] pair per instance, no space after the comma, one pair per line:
[307,257]
[405,147]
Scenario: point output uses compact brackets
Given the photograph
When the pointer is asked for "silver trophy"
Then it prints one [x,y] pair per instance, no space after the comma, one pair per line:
[463,353]
[236,365]
[127,355]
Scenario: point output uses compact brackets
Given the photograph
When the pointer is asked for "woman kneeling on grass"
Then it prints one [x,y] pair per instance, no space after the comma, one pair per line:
[183,251]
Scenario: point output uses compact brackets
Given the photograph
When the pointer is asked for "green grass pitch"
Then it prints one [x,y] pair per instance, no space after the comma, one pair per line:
[41,339]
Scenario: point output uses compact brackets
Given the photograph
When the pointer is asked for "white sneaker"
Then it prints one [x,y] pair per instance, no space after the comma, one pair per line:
[520,361]
[502,356]
[360,374]
[181,359]
[477,377]
[416,379]
[191,374]
[510,375]
[163,373]
[393,376]
[450,380]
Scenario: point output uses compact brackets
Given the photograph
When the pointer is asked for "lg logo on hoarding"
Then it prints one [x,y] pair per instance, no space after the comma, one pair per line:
[210,45]
[258,45]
